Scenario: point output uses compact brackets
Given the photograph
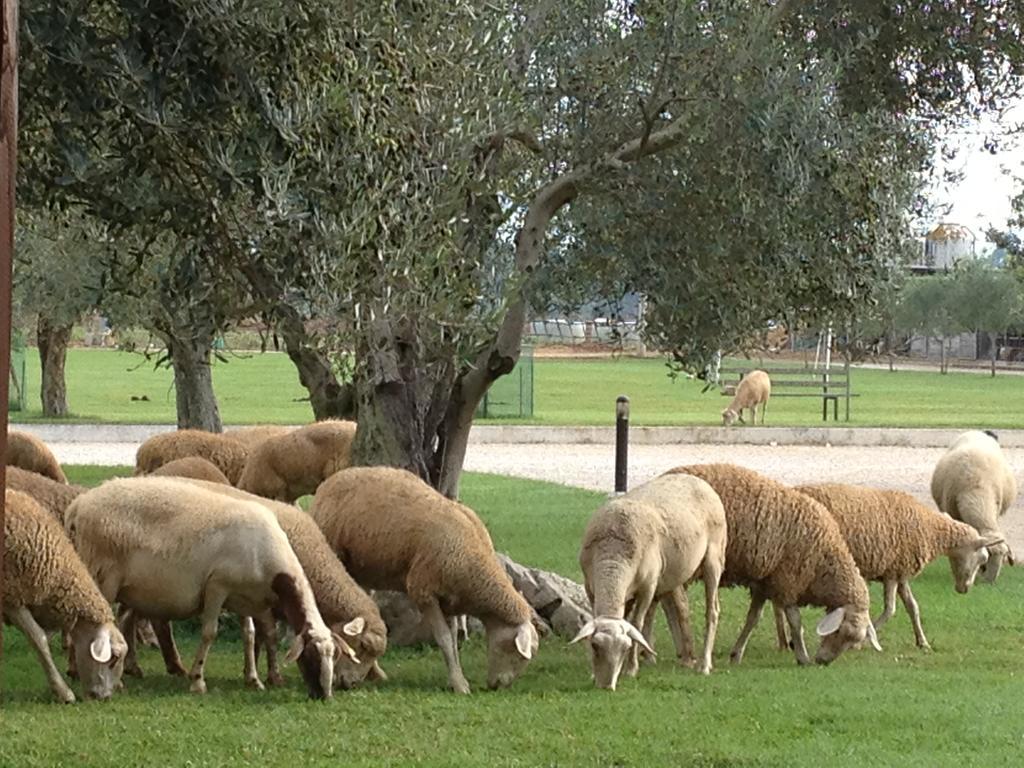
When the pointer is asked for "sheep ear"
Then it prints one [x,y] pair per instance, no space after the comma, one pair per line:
[296,650]
[637,637]
[989,541]
[587,631]
[355,627]
[524,640]
[831,622]
[341,648]
[100,649]
[873,637]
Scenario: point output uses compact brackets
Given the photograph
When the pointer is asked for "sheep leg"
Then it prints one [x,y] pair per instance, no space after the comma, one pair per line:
[445,639]
[69,651]
[168,648]
[641,605]
[213,601]
[712,610]
[757,602]
[252,677]
[677,614]
[648,632]
[23,620]
[266,632]
[889,609]
[994,564]
[780,628]
[797,632]
[915,615]
[131,659]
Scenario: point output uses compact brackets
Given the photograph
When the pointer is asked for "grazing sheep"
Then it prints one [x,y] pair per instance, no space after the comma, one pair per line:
[786,547]
[293,465]
[30,453]
[193,467]
[167,549]
[645,546]
[51,495]
[753,390]
[253,437]
[393,531]
[46,586]
[974,483]
[343,604]
[226,453]
[892,537]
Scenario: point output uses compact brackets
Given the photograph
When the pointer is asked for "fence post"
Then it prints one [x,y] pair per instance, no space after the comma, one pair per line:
[621,442]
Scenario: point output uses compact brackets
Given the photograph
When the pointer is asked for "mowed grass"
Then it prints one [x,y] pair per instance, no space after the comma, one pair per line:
[956,706]
[264,388]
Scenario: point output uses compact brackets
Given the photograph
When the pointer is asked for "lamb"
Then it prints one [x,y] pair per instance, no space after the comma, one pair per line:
[293,465]
[30,453]
[51,495]
[785,547]
[974,483]
[253,437]
[46,586]
[649,545]
[226,453]
[344,605]
[753,390]
[393,531]
[193,467]
[892,537]
[167,549]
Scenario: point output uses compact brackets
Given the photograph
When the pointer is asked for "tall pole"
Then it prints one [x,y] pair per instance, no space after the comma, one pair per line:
[621,443]
[8,165]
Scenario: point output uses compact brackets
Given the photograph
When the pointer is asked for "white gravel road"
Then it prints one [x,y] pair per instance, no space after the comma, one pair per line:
[592,466]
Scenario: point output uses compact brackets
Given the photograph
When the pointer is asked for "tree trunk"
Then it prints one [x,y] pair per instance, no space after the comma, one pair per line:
[193,383]
[994,350]
[942,354]
[328,397]
[52,339]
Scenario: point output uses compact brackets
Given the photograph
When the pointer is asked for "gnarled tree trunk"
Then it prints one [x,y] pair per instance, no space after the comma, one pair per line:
[193,383]
[328,397]
[53,339]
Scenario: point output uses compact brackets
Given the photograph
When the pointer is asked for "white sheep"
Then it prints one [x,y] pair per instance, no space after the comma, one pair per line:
[46,586]
[753,390]
[167,549]
[785,547]
[643,547]
[892,537]
[393,531]
[974,483]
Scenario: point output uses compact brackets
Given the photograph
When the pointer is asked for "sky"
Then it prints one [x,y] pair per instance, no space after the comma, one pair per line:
[982,197]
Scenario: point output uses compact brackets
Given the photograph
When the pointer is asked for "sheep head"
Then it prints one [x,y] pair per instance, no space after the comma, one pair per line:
[611,642]
[969,557]
[100,650]
[842,628]
[509,651]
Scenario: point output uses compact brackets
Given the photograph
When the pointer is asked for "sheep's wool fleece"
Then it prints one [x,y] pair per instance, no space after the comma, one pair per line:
[973,481]
[193,467]
[393,531]
[42,569]
[54,497]
[301,459]
[253,437]
[781,539]
[32,454]
[891,535]
[227,454]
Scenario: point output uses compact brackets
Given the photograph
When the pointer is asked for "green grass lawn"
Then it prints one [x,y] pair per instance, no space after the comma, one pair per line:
[957,706]
[265,389]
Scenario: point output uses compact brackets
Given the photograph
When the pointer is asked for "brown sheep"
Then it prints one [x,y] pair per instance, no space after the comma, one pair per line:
[253,437]
[51,495]
[753,390]
[194,468]
[30,453]
[226,453]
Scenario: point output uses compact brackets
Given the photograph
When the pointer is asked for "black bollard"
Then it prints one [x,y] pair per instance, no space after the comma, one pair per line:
[621,442]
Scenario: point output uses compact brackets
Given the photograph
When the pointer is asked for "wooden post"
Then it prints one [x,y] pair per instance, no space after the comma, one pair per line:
[8,165]
[621,442]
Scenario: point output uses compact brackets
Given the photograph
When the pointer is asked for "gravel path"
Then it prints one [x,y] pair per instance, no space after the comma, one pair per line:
[592,466]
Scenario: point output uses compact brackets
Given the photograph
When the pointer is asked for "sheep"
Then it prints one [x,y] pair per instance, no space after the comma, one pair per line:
[51,495]
[974,483]
[343,604]
[30,453]
[785,547]
[226,453]
[167,549]
[293,465]
[253,437]
[193,467]
[644,546]
[753,390]
[393,531]
[46,586]
[892,537]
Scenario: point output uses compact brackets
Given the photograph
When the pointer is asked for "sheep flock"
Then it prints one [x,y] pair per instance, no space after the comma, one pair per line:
[210,526]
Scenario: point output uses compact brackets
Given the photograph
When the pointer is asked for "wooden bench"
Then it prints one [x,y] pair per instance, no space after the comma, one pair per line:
[830,387]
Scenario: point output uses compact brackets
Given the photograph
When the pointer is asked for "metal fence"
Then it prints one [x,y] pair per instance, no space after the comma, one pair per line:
[572,332]
[511,396]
